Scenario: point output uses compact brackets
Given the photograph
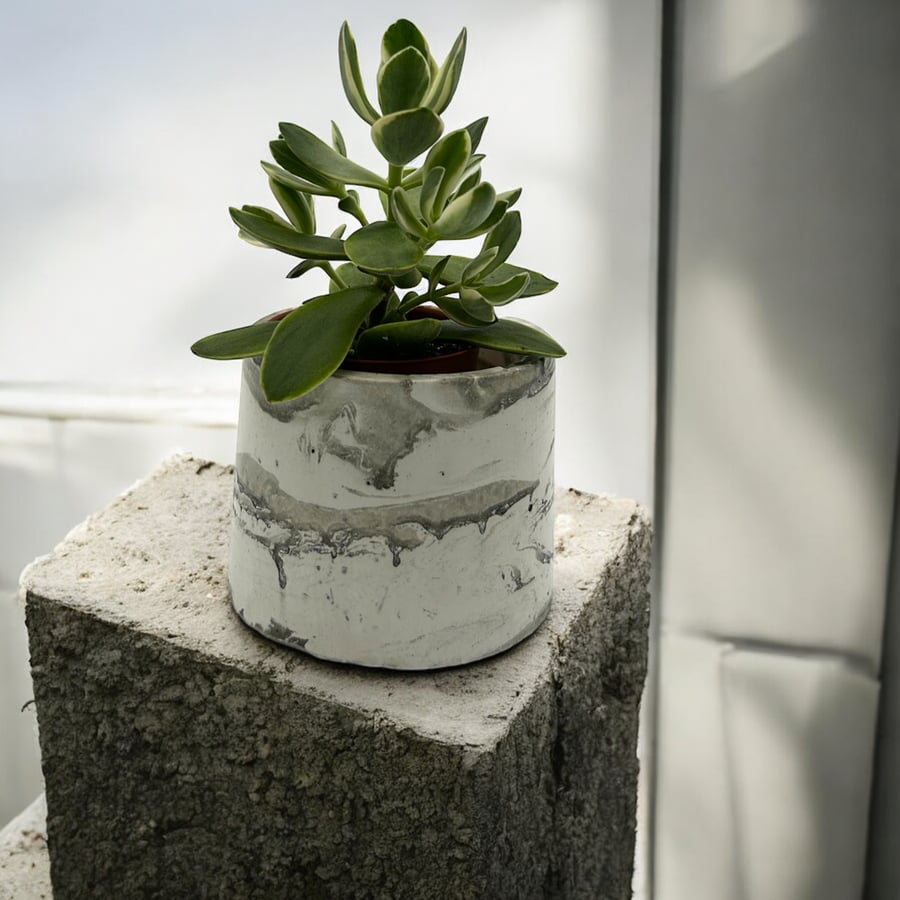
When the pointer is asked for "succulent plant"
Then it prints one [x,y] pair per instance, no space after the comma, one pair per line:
[383,270]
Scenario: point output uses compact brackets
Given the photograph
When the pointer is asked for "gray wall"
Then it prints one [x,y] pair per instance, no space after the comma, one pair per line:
[783,391]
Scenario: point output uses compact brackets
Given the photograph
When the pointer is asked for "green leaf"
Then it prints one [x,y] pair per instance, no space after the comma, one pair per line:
[337,139]
[504,236]
[509,335]
[470,182]
[510,196]
[403,80]
[319,157]
[351,77]
[453,270]
[350,204]
[506,291]
[478,265]
[452,153]
[399,36]
[495,215]
[306,266]
[465,213]
[237,343]
[297,207]
[252,240]
[295,183]
[395,338]
[443,87]
[434,276]
[352,277]
[338,232]
[408,279]
[405,215]
[263,213]
[281,237]
[401,136]
[285,157]
[313,340]
[476,130]
[383,248]
[472,311]
[428,195]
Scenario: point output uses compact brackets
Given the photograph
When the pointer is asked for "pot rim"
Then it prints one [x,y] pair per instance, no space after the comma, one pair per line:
[514,362]
[508,361]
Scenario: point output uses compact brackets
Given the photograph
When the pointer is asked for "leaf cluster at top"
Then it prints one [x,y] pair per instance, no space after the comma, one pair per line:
[383,269]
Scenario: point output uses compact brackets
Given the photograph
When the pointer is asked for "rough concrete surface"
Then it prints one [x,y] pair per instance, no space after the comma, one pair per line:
[24,864]
[187,757]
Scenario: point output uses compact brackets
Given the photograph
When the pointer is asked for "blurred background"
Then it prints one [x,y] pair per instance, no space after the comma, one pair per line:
[715,185]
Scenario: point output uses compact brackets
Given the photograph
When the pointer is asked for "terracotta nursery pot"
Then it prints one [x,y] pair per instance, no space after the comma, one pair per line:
[397,520]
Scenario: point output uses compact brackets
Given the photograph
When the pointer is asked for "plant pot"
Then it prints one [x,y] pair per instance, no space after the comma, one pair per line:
[396,520]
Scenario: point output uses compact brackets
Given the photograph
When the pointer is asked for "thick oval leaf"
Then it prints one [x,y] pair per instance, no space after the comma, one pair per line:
[510,197]
[408,279]
[306,266]
[268,215]
[504,236]
[465,213]
[401,136]
[472,311]
[496,214]
[403,80]
[443,86]
[237,343]
[350,204]
[506,291]
[395,338]
[316,154]
[352,277]
[312,341]
[337,139]
[476,307]
[400,35]
[252,240]
[476,130]
[383,248]
[294,182]
[452,153]
[280,237]
[428,194]
[434,275]
[297,207]
[470,182]
[509,335]
[539,284]
[478,265]
[404,213]
[351,77]
[284,156]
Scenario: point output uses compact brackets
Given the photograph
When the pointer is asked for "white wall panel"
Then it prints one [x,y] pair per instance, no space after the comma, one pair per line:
[763,775]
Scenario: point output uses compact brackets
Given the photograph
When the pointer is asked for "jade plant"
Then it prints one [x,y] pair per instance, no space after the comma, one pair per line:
[384,269]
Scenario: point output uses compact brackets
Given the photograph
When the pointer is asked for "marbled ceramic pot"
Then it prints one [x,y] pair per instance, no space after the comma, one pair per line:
[402,521]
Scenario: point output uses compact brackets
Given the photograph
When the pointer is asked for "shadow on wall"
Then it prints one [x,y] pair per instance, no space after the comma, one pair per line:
[783,435]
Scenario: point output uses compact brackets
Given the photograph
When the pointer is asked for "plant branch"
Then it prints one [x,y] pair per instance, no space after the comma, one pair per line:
[329,271]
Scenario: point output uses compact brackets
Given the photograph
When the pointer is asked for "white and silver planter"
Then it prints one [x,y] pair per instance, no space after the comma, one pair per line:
[401,521]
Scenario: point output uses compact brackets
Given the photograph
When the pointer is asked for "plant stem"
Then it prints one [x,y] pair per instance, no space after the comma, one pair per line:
[329,271]
[407,305]
[395,175]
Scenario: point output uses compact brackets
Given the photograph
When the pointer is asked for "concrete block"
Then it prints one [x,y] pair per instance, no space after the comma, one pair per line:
[186,757]
[24,862]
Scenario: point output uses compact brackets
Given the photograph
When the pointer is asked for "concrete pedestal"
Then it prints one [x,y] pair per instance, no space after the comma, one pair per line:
[187,757]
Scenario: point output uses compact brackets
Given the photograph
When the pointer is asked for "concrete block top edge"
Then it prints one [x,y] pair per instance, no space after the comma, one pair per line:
[154,562]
